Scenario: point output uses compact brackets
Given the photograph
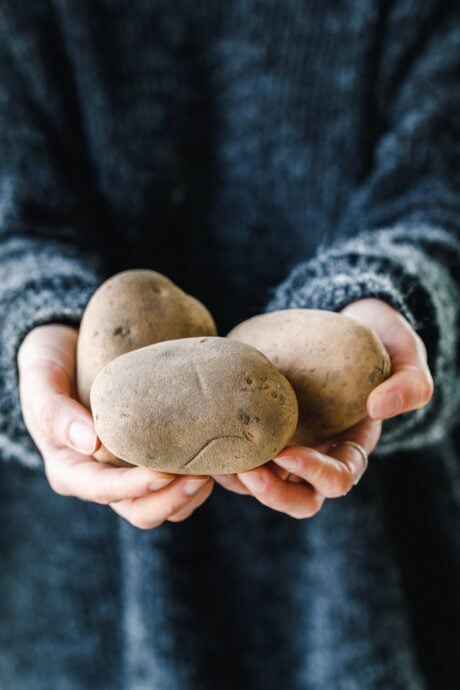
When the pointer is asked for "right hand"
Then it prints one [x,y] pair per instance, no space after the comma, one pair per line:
[144,497]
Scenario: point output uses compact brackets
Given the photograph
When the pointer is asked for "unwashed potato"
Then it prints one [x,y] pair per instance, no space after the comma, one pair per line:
[128,311]
[332,361]
[194,406]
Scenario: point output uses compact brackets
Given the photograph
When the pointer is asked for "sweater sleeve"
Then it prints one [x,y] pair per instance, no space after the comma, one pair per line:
[49,263]
[399,234]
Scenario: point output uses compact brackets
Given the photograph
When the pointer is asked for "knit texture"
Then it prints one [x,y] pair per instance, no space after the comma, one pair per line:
[263,155]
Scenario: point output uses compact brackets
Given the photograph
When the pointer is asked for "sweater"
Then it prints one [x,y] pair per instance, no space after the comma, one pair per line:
[263,155]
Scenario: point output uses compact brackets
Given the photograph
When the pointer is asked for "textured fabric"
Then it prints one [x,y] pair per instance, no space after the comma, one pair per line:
[263,155]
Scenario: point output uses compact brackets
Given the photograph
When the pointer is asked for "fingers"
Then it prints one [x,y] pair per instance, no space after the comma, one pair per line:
[64,432]
[331,475]
[193,504]
[327,476]
[58,417]
[51,342]
[46,362]
[410,385]
[175,502]
[297,500]
[333,471]
[72,474]
[409,388]
[137,493]
[366,432]
[231,483]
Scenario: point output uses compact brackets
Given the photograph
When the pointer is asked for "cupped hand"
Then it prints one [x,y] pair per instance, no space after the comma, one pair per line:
[328,471]
[64,433]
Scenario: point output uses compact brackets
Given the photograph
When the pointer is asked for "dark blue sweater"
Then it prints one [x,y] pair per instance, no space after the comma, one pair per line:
[263,155]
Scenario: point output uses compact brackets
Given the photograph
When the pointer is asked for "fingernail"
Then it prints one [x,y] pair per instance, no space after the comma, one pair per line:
[290,464]
[386,405]
[82,437]
[253,480]
[160,483]
[193,485]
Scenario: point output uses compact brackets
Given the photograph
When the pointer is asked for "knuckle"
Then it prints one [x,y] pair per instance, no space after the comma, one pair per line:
[144,522]
[180,517]
[48,416]
[56,484]
[273,503]
[271,496]
[333,482]
[177,504]
[340,483]
[299,513]
[426,388]
[314,506]
[139,517]
[296,515]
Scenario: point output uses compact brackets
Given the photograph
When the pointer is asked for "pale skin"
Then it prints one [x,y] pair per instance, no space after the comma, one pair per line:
[147,498]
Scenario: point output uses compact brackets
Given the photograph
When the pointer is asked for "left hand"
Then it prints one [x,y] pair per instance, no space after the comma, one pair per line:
[322,472]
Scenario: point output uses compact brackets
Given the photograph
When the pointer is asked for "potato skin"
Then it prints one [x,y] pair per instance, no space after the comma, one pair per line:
[128,311]
[194,406]
[335,364]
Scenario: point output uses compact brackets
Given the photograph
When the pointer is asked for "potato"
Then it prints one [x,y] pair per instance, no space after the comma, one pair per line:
[332,361]
[130,310]
[194,406]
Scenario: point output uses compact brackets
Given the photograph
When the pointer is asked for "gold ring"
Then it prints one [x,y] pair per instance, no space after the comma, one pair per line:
[358,447]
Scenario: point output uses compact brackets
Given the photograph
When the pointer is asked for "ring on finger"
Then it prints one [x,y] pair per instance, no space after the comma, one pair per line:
[358,447]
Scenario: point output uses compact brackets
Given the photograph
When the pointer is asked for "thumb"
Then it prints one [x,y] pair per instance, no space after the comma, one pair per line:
[46,363]
[410,385]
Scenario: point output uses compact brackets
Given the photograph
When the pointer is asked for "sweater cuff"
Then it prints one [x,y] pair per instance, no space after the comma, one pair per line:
[390,265]
[56,291]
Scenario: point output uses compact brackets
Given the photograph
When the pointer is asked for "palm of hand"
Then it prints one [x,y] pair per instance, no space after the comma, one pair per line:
[64,433]
[324,471]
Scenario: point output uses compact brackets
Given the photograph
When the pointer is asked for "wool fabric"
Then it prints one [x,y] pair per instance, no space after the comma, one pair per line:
[263,154]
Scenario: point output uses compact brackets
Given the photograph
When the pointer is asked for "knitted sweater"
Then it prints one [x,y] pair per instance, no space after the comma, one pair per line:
[263,155]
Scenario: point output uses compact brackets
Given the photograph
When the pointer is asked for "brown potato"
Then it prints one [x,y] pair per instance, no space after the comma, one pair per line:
[194,406]
[128,311]
[332,361]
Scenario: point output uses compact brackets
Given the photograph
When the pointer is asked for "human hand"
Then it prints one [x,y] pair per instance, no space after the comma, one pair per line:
[327,471]
[64,433]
